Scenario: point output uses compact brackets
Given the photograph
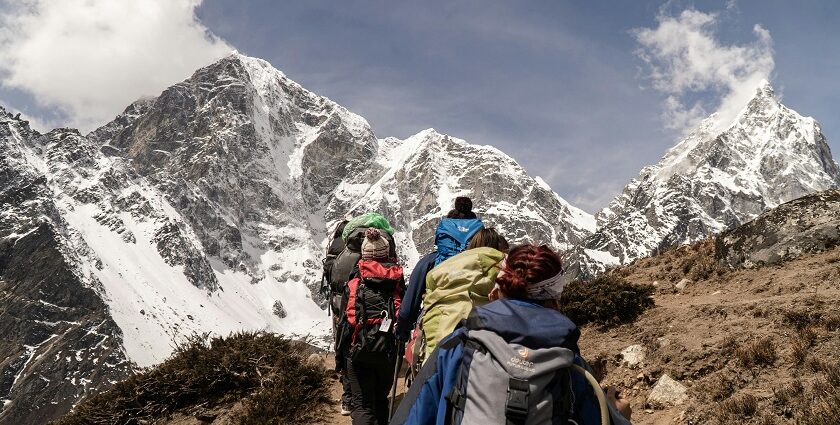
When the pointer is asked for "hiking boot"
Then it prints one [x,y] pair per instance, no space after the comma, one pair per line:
[345,409]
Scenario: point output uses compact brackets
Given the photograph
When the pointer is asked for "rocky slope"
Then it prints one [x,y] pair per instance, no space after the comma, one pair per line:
[59,341]
[744,342]
[712,181]
[205,210]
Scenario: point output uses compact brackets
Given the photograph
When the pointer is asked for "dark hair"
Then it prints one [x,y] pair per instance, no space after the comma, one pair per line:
[489,237]
[525,265]
[463,208]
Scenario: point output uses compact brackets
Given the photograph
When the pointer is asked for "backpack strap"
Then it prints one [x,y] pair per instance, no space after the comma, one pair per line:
[516,407]
[456,400]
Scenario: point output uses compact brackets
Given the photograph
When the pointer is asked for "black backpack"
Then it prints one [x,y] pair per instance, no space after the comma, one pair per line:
[372,299]
[344,263]
[333,250]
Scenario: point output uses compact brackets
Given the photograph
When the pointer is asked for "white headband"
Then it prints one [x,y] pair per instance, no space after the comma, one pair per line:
[548,289]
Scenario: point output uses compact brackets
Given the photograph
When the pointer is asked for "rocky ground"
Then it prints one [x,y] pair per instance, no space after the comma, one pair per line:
[742,346]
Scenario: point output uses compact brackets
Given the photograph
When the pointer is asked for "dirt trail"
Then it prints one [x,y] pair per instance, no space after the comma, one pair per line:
[335,417]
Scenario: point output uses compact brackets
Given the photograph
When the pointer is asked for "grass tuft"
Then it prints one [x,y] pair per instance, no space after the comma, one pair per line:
[759,353]
[740,407]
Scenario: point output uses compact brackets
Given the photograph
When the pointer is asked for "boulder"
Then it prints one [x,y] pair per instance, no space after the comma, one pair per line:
[633,356]
[667,392]
[808,225]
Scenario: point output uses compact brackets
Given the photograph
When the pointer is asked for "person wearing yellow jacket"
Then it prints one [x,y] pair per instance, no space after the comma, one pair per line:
[455,285]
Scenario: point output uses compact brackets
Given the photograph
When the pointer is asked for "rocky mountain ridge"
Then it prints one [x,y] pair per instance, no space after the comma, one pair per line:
[204,210]
[712,181]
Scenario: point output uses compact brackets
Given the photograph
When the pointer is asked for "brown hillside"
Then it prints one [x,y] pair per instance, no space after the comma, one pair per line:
[752,346]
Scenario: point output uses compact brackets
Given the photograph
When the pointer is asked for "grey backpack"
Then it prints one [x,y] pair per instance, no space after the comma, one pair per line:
[499,382]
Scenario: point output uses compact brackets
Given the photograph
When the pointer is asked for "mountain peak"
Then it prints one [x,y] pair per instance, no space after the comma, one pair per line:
[716,178]
[252,63]
[764,88]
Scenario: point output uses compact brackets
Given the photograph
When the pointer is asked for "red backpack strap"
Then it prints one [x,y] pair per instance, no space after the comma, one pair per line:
[350,311]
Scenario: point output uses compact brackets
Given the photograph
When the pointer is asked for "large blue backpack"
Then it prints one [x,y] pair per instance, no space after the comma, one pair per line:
[453,235]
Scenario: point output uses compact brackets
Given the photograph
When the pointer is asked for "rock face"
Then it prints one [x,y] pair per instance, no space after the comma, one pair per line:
[205,209]
[415,181]
[712,181]
[807,225]
[59,342]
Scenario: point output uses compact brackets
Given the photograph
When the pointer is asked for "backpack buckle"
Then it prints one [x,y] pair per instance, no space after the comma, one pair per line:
[516,408]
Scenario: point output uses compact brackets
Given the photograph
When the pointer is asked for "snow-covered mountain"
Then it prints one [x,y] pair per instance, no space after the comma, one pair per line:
[415,181]
[59,340]
[712,181]
[206,209]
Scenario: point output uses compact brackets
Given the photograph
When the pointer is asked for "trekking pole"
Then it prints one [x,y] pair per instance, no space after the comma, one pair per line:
[397,365]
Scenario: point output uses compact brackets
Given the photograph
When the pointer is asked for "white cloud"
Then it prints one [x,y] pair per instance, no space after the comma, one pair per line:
[685,58]
[91,58]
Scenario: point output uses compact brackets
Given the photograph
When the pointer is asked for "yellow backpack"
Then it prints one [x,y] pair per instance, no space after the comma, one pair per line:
[453,287]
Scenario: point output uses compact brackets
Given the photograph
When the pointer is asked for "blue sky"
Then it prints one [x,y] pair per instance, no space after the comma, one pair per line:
[558,85]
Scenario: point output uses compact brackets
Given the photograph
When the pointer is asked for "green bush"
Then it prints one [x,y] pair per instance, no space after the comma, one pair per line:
[607,300]
[269,372]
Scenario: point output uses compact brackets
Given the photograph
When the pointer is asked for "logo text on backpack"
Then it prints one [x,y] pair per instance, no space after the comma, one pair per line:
[463,229]
[522,363]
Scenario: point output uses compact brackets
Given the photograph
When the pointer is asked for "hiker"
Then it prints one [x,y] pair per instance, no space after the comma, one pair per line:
[515,358]
[349,235]
[459,283]
[333,296]
[449,240]
[369,347]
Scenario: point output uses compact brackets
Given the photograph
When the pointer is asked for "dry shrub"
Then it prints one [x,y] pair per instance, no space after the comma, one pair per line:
[728,346]
[688,265]
[759,353]
[830,369]
[831,321]
[799,350]
[823,410]
[800,319]
[703,267]
[819,404]
[740,407]
[607,300]
[716,387]
[270,372]
[767,419]
[801,345]
[787,395]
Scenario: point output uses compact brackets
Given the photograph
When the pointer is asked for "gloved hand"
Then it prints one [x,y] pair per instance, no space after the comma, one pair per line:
[402,331]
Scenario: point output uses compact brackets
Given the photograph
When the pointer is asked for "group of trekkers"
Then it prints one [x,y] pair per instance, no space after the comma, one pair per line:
[479,326]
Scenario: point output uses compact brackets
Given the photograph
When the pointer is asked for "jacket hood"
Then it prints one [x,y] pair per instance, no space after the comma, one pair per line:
[525,323]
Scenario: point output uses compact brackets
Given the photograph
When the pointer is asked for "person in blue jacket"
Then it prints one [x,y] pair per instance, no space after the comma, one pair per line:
[453,233]
[525,313]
